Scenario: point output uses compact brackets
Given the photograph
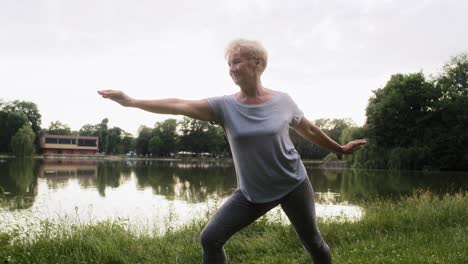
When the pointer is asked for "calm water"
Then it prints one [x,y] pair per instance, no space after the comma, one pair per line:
[157,195]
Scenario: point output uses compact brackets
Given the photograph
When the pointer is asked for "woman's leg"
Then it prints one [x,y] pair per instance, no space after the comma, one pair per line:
[299,206]
[236,213]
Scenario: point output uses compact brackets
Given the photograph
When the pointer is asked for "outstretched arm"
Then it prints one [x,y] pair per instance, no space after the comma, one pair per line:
[198,109]
[313,134]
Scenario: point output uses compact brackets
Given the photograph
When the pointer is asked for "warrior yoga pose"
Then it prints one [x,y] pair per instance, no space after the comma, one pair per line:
[256,121]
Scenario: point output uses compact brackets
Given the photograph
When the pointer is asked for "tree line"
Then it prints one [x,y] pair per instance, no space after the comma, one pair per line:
[413,122]
[417,122]
[20,132]
[20,127]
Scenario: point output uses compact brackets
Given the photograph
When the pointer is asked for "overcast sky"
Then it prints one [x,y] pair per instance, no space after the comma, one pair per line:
[328,55]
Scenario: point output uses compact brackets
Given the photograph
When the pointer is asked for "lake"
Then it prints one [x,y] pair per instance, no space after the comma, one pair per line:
[157,195]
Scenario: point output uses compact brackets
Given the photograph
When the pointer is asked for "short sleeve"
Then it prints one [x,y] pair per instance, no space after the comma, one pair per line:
[216,105]
[296,113]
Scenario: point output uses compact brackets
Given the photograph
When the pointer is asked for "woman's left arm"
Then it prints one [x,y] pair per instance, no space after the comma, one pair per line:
[313,134]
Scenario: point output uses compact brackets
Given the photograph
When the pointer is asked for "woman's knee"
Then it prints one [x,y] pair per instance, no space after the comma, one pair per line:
[208,238]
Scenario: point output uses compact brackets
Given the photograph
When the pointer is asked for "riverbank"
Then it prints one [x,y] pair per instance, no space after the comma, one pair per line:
[423,228]
[324,164]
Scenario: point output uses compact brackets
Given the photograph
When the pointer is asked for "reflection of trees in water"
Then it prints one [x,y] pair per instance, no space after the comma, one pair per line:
[198,181]
[362,185]
[18,183]
[111,174]
[58,173]
[324,180]
[192,183]
[88,173]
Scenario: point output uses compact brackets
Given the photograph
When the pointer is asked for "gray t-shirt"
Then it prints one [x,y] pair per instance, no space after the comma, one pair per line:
[266,162]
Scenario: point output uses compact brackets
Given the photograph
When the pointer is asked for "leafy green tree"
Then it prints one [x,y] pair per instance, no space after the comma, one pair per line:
[449,126]
[103,136]
[10,122]
[398,121]
[22,143]
[200,136]
[453,80]
[166,133]
[29,109]
[155,145]
[142,141]
[114,139]
[111,140]
[127,143]
[218,142]
[59,128]
[413,123]
[398,114]
[89,130]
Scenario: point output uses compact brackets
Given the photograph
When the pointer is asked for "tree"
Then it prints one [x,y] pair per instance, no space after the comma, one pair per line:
[200,136]
[103,133]
[111,140]
[398,122]
[453,80]
[29,109]
[413,123]
[127,143]
[114,138]
[22,143]
[89,130]
[449,126]
[398,114]
[142,141]
[154,145]
[166,132]
[10,122]
[218,142]
[59,128]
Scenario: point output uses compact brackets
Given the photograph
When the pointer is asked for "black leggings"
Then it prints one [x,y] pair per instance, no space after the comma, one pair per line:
[237,212]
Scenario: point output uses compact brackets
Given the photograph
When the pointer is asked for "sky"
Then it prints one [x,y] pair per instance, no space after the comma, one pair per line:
[328,55]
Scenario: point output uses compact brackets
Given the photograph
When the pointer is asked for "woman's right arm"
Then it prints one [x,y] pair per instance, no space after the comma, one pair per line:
[198,109]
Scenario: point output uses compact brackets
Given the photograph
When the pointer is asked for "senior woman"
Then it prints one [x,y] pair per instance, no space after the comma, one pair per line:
[269,170]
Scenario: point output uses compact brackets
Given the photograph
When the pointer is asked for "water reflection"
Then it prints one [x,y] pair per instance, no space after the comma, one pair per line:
[188,182]
[357,186]
[18,183]
[161,193]
[58,173]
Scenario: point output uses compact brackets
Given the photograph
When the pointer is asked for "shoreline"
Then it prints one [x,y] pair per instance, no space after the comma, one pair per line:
[335,164]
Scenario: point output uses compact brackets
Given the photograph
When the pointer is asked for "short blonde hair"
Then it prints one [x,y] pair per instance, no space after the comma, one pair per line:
[253,49]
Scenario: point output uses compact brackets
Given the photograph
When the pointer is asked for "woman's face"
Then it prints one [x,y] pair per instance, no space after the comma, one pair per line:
[241,68]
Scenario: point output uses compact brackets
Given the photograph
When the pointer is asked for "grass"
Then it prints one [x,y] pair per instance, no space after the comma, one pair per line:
[423,228]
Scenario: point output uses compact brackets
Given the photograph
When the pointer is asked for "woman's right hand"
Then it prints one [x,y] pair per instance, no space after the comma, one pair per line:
[117,96]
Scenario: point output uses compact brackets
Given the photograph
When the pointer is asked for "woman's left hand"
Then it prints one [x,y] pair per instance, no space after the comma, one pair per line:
[353,146]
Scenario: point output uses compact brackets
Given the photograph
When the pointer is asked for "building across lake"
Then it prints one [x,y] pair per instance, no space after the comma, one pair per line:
[69,145]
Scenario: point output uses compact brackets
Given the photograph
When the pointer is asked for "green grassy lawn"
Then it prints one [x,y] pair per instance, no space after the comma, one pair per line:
[423,228]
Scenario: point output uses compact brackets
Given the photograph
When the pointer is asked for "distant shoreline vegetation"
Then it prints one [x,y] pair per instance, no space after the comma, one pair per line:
[413,122]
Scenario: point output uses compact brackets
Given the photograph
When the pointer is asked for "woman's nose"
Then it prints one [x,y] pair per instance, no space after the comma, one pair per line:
[232,69]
